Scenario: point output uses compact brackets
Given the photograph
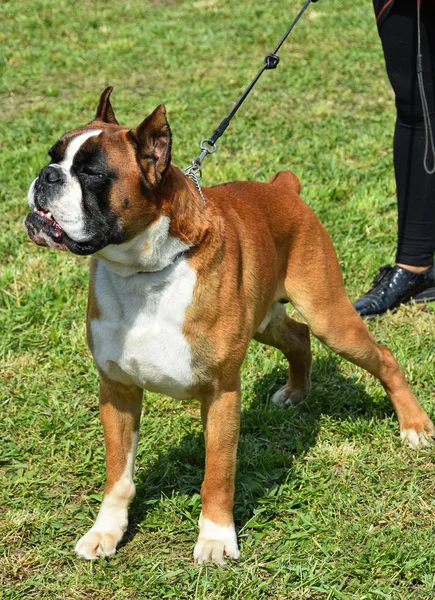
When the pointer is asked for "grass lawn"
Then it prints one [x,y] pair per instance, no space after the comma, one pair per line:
[328,503]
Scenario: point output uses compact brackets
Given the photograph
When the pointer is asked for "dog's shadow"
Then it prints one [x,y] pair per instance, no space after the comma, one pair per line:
[270,439]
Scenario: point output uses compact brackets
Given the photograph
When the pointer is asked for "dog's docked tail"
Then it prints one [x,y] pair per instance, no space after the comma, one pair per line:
[286,178]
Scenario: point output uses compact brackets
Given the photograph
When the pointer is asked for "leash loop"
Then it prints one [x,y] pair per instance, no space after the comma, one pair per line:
[271,61]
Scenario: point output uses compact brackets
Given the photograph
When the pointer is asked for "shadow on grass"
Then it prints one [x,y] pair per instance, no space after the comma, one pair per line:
[270,439]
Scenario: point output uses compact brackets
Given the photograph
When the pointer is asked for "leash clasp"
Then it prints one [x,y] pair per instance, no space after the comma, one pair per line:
[194,169]
[208,146]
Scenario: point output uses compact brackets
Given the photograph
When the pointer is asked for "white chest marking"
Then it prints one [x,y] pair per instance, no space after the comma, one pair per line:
[138,337]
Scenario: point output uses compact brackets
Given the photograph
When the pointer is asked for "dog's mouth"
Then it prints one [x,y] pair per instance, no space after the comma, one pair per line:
[47,216]
[44,230]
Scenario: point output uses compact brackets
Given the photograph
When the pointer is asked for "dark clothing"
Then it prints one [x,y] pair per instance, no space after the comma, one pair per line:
[382,8]
[397,22]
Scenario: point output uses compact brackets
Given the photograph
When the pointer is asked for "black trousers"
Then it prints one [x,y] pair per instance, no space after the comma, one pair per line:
[415,188]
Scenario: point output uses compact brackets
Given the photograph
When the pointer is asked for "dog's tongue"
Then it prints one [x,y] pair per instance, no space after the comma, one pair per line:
[58,233]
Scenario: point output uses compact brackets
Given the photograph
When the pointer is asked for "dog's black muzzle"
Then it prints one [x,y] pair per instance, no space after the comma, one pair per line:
[50,180]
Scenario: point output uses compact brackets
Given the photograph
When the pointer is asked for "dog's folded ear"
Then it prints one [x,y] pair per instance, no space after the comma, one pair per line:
[105,112]
[153,139]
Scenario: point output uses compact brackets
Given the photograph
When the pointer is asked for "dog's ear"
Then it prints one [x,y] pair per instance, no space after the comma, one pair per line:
[153,138]
[105,112]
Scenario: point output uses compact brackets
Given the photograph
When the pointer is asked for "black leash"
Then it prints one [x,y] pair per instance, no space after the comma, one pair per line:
[208,145]
[428,134]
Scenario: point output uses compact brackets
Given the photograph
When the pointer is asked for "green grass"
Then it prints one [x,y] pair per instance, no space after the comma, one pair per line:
[328,503]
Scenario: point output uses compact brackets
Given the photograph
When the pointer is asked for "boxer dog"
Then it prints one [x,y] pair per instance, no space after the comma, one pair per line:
[179,287]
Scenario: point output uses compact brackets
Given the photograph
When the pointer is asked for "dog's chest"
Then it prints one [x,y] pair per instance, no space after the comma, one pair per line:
[137,338]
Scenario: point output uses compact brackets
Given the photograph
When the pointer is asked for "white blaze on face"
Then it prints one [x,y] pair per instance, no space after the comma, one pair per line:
[30,194]
[74,146]
[67,207]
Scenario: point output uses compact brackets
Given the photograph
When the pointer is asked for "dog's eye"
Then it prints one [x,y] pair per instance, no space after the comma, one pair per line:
[91,173]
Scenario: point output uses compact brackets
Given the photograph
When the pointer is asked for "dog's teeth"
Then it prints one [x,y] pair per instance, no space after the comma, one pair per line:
[48,215]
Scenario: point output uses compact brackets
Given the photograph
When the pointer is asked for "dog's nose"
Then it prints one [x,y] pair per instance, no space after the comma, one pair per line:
[50,174]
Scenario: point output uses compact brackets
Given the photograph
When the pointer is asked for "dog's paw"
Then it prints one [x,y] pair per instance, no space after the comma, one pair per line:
[215,542]
[288,397]
[418,437]
[98,543]
[418,434]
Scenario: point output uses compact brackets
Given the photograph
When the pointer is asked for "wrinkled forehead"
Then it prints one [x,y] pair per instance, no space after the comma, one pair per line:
[85,145]
[70,145]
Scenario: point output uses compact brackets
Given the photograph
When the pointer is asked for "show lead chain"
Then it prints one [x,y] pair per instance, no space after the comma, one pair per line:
[208,145]
[428,133]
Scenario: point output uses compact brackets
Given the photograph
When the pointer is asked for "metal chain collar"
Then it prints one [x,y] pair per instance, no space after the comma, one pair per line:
[193,171]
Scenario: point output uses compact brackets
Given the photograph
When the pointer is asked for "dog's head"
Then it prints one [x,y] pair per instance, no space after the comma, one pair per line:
[102,184]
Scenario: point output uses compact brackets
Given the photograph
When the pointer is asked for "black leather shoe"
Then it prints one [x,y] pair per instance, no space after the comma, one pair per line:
[393,286]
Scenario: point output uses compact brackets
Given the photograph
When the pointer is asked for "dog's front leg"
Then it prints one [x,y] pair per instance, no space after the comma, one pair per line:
[120,409]
[221,421]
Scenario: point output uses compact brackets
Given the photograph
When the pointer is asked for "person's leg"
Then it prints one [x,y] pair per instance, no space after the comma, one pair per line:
[415,187]
[413,275]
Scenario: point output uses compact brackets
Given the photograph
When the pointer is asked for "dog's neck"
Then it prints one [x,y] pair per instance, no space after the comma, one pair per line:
[180,225]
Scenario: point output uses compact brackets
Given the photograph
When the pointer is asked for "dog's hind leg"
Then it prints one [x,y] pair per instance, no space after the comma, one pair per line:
[293,339]
[318,294]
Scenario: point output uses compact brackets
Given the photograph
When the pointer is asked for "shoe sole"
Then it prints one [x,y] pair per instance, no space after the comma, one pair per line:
[426,296]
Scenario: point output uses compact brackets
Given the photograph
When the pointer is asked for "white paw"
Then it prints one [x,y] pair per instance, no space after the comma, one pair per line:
[415,440]
[98,543]
[288,397]
[215,542]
